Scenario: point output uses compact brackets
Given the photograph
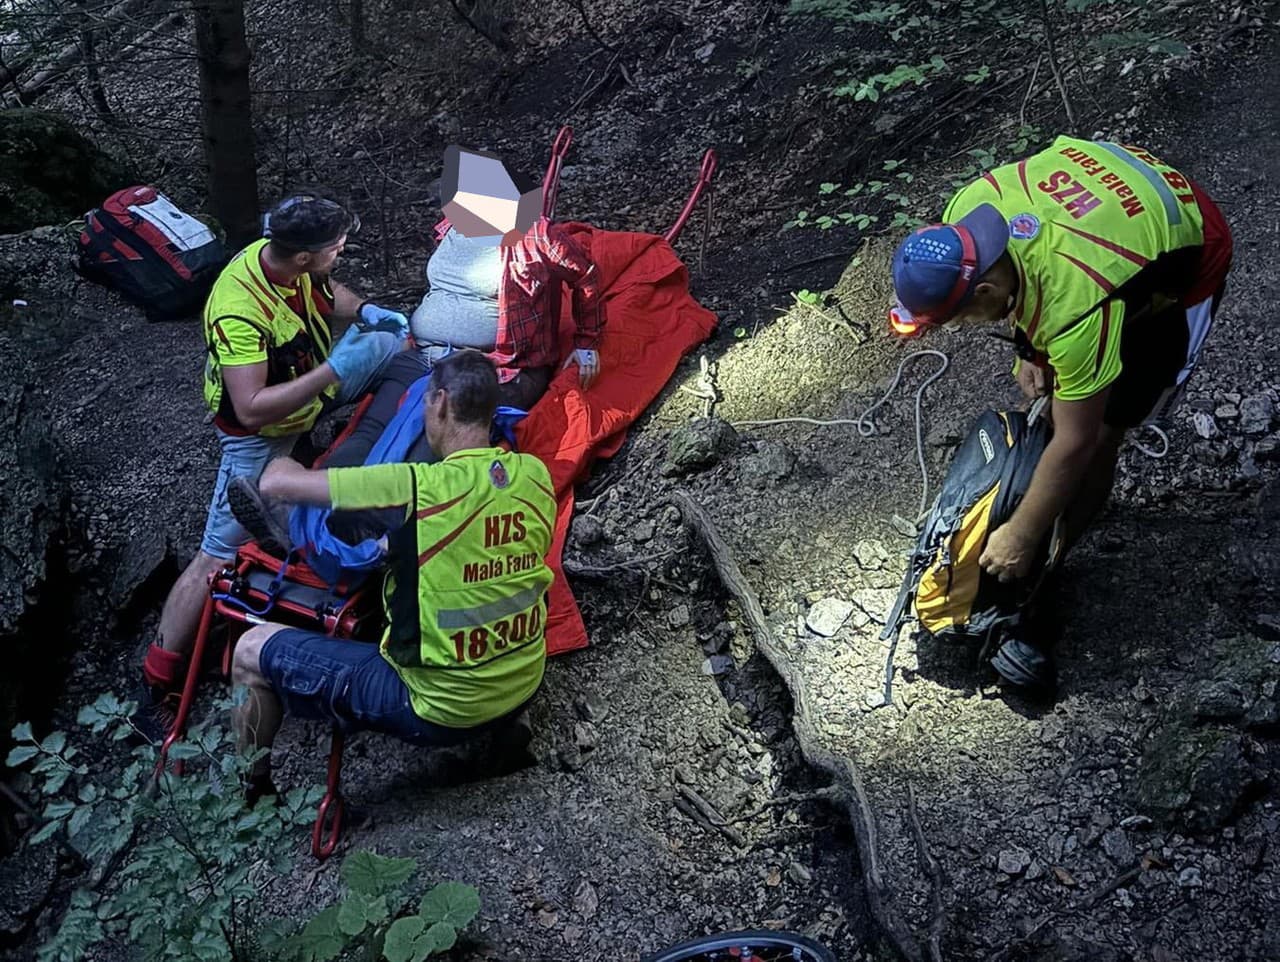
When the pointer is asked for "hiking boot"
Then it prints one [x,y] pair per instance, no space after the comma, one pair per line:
[157,711]
[508,749]
[1026,666]
[257,787]
[252,511]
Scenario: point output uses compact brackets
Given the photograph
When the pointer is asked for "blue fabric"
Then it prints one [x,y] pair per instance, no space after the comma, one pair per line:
[925,267]
[505,420]
[928,263]
[329,556]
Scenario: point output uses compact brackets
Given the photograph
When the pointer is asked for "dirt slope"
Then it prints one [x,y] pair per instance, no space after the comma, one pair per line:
[1132,819]
[588,855]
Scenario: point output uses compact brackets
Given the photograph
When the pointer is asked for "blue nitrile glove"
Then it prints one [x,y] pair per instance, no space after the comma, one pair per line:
[355,357]
[371,317]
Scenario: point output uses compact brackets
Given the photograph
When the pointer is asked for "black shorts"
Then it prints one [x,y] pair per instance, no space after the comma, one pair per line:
[1153,351]
[1157,353]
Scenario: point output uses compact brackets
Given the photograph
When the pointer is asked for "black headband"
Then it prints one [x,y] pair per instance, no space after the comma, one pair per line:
[308,223]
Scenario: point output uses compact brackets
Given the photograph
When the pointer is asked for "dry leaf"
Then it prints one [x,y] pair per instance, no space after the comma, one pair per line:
[774,878]
[548,918]
[585,900]
[1151,860]
[1065,877]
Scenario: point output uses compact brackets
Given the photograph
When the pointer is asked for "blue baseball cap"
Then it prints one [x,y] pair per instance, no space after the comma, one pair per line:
[936,269]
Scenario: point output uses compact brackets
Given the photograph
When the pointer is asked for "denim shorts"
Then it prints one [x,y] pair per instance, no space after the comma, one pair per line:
[350,684]
[243,456]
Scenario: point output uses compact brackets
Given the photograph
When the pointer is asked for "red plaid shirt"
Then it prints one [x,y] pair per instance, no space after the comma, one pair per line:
[529,298]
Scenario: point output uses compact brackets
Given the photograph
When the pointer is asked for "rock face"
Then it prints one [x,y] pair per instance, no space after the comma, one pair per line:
[32,507]
[1193,778]
[699,444]
[827,616]
[772,462]
[49,174]
[1256,414]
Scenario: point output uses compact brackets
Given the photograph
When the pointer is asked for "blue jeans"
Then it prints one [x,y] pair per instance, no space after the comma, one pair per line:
[245,456]
[350,684]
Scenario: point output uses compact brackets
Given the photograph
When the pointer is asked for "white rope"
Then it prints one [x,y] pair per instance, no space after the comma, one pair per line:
[1152,452]
[866,426]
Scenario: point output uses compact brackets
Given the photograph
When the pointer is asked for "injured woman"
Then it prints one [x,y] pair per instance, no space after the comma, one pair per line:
[494,284]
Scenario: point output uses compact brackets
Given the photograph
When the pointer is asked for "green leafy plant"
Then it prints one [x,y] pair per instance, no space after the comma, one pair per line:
[374,915]
[893,191]
[175,864]
[873,87]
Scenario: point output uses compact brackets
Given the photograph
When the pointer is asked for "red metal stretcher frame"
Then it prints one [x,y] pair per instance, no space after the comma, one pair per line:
[327,831]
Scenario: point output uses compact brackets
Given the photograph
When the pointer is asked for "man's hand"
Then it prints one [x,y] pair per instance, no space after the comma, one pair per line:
[1008,554]
[356,356]
[1034,380]
[1011,547]
[371,317]
[588,362]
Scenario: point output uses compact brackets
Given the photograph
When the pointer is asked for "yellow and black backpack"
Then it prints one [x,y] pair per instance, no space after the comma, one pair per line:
[953,598]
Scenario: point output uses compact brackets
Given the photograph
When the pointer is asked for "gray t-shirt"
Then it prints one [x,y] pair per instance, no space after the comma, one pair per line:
[461,304]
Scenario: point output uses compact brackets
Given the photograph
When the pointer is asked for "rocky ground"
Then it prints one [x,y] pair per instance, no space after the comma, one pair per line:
[1131,819]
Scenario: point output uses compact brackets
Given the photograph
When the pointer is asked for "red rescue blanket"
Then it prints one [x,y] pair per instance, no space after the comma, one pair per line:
[651,322]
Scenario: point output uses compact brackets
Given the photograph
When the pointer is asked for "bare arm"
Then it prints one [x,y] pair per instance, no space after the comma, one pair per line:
[257,405]
[345,302]
[1076,428]
[286,480]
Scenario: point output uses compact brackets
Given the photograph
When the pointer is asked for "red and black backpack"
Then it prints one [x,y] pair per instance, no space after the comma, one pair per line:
[159,257]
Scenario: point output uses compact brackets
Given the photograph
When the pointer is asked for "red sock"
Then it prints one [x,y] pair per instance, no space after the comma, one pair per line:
[164,669]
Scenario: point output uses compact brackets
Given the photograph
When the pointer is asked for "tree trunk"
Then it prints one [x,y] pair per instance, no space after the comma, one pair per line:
[226,118]
[88,45]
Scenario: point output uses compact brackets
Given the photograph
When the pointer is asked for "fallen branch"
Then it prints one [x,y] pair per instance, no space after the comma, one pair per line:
[1120,881]
[846,773]
[711,815]
[1051,45]
[827,794]
[820,259]
[858,336]
[586,22]
[614,65]
[28,92]
[631,564]
[1031,85]
[1084,903]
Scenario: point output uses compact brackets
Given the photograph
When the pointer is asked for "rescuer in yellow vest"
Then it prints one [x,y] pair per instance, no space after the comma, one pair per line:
[465,593]
[1108,265]
[271,367]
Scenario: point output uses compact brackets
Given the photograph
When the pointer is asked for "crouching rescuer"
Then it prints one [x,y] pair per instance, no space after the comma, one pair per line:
[271,368]
[465,593]
[1109,264]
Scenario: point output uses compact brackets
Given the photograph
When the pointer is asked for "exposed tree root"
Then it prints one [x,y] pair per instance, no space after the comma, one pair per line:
[846,773]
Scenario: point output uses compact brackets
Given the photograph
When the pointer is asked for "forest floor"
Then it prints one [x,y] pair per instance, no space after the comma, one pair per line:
[1134,818]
